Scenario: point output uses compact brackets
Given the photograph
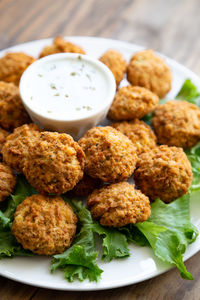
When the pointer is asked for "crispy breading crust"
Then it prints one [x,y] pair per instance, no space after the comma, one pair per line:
[140,134]
[85,186]
[12,111]
[132,102]
[12,65]
[55,163]
[3,136]
[16,148]
[60,45]
[164,172]
[7,181]
[148,70]
[119,204]
[110,155]
[45,225]
[177,123]
[116,63]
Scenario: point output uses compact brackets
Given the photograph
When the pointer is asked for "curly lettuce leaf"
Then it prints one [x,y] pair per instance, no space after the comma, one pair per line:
[189,93]
[115,243]
[79,261]
[169,231]
[9,246]
[23,189]
[134,235]
[193,155]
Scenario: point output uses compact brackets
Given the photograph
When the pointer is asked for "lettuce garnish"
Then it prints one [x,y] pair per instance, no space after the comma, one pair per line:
[79,261]
[9,246]
[193,155]
[169,231]
[189,92]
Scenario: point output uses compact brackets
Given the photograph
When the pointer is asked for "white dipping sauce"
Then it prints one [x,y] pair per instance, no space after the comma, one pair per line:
[67,92]
[65,88]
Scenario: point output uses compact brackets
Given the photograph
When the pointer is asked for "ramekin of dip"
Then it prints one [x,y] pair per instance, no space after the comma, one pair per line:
[67,92]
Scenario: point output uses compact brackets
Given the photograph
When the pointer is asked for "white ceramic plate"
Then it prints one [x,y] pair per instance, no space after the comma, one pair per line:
[142,264]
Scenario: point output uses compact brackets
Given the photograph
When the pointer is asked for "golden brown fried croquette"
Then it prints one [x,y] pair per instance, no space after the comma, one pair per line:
[12,65]
[110,155]
[7,181]
[60,45]
[148,70]
[3,136]
[12,111]
[16,148]
[132,102]
[85,186]
[45,225]
[55,163]
[119,204]
[164,172]
[177,123]
[116,63]
[140,134]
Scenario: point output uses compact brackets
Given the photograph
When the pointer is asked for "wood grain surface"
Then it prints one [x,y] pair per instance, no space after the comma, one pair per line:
[169,26]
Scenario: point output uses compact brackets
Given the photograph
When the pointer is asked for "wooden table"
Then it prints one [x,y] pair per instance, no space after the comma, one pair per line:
[171,27]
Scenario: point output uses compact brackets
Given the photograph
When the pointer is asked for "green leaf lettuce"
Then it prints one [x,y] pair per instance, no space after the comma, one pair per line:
[169,231]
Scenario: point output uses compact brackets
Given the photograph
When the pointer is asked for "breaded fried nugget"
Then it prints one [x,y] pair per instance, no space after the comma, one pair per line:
[12,111]
[164,172]
[148,70]
[45,225]
[110,155]
[60,45]
[3,136]
[55,163]
[132,102]
[16,148]
[12,65]
[85,186]
[118,205]
[140,134]
[116,63]
[177,123]
[7,181]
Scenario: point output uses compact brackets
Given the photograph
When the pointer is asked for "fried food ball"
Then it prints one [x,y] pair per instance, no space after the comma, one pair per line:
[132,102]
[3,136]
[12,111]
[110,155]
[116,63]
[164,172]
[55,163]
[85,186]
[7,181]
[16,148]
[177,123]
[119,204]
[45,225]
[140,134]
[60,45]
[148,70]
[12,65]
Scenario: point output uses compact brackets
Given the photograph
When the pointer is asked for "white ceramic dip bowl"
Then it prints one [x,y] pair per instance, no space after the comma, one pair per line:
[67,92]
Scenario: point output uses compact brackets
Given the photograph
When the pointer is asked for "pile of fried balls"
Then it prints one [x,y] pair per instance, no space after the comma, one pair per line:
[100,163]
